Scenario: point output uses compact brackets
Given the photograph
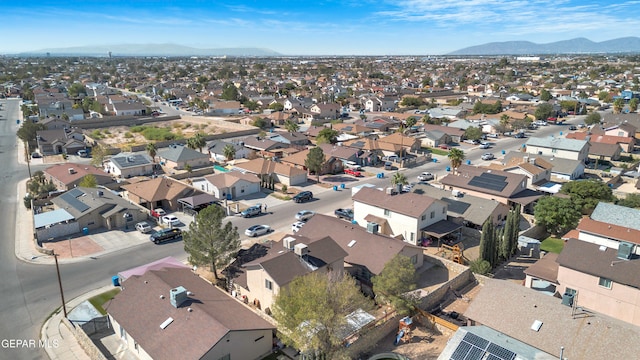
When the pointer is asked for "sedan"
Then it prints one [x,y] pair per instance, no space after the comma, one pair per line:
[425,176]
[488,156]
[257,230]
[171,220]
[484,146]
[304,215]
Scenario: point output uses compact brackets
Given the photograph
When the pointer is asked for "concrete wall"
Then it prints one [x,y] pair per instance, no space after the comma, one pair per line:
[85,342]
[57,230]
[108,121]
[462,276]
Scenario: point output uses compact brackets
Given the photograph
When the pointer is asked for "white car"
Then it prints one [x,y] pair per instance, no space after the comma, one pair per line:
[488,156]
[257,230]
[296,226]
[484,146]
[425,176]
[144,227]
[171,220]
[304,215]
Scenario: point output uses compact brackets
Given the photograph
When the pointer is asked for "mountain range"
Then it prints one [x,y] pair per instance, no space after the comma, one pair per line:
[148,50]
[573,46]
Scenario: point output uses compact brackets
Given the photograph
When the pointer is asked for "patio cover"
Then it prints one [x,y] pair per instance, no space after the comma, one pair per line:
[525,197]
[51,218]
[168,262]
[198,200]
[441,228]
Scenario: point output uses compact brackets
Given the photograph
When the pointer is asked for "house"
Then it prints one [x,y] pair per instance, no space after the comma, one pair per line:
[407,216]
[55,123]
[325,111]
[368,251]
[627,144]
[434,138]
[505,187]
[90,208]
[558,147]
[377,103]
[224,107]
[406,143]
[265,147]
[126,165]
[173,314]
[623,130]
[228,185]
[260,280]
[128,108]
[536,169]
[284,174]
[161,192]
[331,165]
[216,150]
[59,141]
[455,134]
[178,157]
[294,139]
[544,323]
[69,175]
[561,170]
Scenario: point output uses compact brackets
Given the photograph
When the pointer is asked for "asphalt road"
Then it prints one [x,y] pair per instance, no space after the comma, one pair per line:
[30,291]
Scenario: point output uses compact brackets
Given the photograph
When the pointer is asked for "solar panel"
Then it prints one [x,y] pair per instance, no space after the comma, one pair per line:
[461,351]
[474,347]
[501,352]
[489,181]
[476,340]
[75,193]
[74,202]
[494,177]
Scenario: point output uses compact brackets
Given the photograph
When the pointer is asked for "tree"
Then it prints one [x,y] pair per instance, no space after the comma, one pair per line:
[311,312]
[152,150]
[480,266]
[27,131]
[545,95]
[262,123]
[618,105]
[456,156]
[411,121]
[88,181]
[327,136]
[604,96]
[508,241]
[98,153]
[557,214]
[504,120]
[411,101]
[276,106]
[197,142]
[544,111]
[399,179]
[473,133]
[585,195]
[395,281]
[488,242]
[229,91]
[229,152]
[210,242]
[291,126]
[633,105]
[631,200]
[592,118]
[314,161]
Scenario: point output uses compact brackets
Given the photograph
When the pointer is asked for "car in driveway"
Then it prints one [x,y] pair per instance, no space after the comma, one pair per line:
[257,230]
[144,227]
[444,147]
[425,176]
[520,135]
[296,226]
[252,211]
[158,213]
[344,214]
[171,220]
[388,165]
[353,172]
[304,215]
[488,156]
[165,235]
[573,127]
[303,196]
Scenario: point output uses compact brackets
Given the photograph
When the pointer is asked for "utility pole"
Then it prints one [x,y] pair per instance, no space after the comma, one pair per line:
[26,157]
[64,307]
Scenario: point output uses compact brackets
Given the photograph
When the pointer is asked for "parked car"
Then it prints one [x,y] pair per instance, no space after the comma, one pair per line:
[36,155]
[472,142]
[252,211]
[296,226]
[573,127]
[344,214]
[484,146]
[388,165]
[165,235]
[520,135]
[425,176]
[352,165]
[495,136]
[353,172]
[144,227]
[304,215]
[488,156]
[158,213]
[444,147]
[83,153]
[408,187]
[303,196]
[257,230]
[171,220]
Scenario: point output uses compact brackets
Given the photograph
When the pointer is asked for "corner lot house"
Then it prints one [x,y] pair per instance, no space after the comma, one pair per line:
[173,314]
[559,147]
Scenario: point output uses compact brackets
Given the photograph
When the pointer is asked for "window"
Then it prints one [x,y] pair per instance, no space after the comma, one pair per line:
[268,284]
[433,214]
[604,282]
[444,210]
[414,259]
[412,237]
[424,217]
[570,291]
[387,212]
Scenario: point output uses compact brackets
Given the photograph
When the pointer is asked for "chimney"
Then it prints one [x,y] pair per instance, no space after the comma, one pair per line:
[178,296]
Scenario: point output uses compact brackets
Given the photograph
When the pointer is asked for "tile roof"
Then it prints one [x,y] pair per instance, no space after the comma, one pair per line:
[617,215]
[604,139]
[372,251]
[511,309]
[140,310]
[600,261]
[177,153]
[160,188]
[603,229]
[410,204]
[557,143]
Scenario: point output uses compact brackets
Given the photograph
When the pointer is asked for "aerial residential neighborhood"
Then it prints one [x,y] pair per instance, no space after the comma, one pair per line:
[291,207]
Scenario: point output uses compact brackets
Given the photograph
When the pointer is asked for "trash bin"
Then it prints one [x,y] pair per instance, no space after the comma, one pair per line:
[468,162]
[335,188]
[115,280]
[448,168]
[85,230]
[341,186]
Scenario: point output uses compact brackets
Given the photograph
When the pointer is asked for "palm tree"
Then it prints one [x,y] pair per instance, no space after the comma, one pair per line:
[456,156]
[152,150]
[197,142]
[399,178]
[618,105]
[291,126]
[229,152]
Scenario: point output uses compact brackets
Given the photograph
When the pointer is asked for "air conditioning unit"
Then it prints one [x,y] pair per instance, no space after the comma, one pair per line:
[72,171]
[625,250]
[372,228]
[300,249]
[289,242]
[456,193]
[567,299]
[391,191]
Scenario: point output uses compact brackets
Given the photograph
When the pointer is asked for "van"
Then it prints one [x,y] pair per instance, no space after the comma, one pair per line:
[352,165]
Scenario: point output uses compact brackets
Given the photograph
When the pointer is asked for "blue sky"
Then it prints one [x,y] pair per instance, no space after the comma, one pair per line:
[312,27]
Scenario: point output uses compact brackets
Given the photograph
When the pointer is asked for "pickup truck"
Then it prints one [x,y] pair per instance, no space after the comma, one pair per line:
[344,214]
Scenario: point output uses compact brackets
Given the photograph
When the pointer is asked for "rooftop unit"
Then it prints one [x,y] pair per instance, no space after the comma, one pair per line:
[178,296]
[301,249]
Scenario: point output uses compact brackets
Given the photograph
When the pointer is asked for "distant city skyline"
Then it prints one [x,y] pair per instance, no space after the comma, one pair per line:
[328,27]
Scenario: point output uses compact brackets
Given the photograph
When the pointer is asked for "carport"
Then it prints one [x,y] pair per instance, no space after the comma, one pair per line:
[443,230]
[53,224]
[193,204]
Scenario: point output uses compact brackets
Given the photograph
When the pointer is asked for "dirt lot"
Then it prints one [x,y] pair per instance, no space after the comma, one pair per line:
[422,344]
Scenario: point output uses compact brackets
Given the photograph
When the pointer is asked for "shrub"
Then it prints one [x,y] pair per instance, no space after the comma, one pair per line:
[284,188]
[480,266]
[128,135]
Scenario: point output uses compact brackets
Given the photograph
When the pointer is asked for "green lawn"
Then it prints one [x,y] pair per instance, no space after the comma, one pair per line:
[438,151]
[552,244]
[99,300]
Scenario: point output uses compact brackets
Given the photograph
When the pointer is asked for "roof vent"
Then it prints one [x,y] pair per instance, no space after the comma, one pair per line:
[189,309]
[602,248]
[72,171]
[161,296]
[178,296]
[536,325]
[166,323]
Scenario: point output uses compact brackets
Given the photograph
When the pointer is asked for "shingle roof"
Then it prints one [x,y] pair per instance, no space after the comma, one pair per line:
[264,166]
[140,311]
[617,215]
[158,189]
[464,178]
[228,179]
[61,173]
[557,143]
[80,201]
[410,204]
[180,153]
[511,309]
[558,165]
[545,268]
